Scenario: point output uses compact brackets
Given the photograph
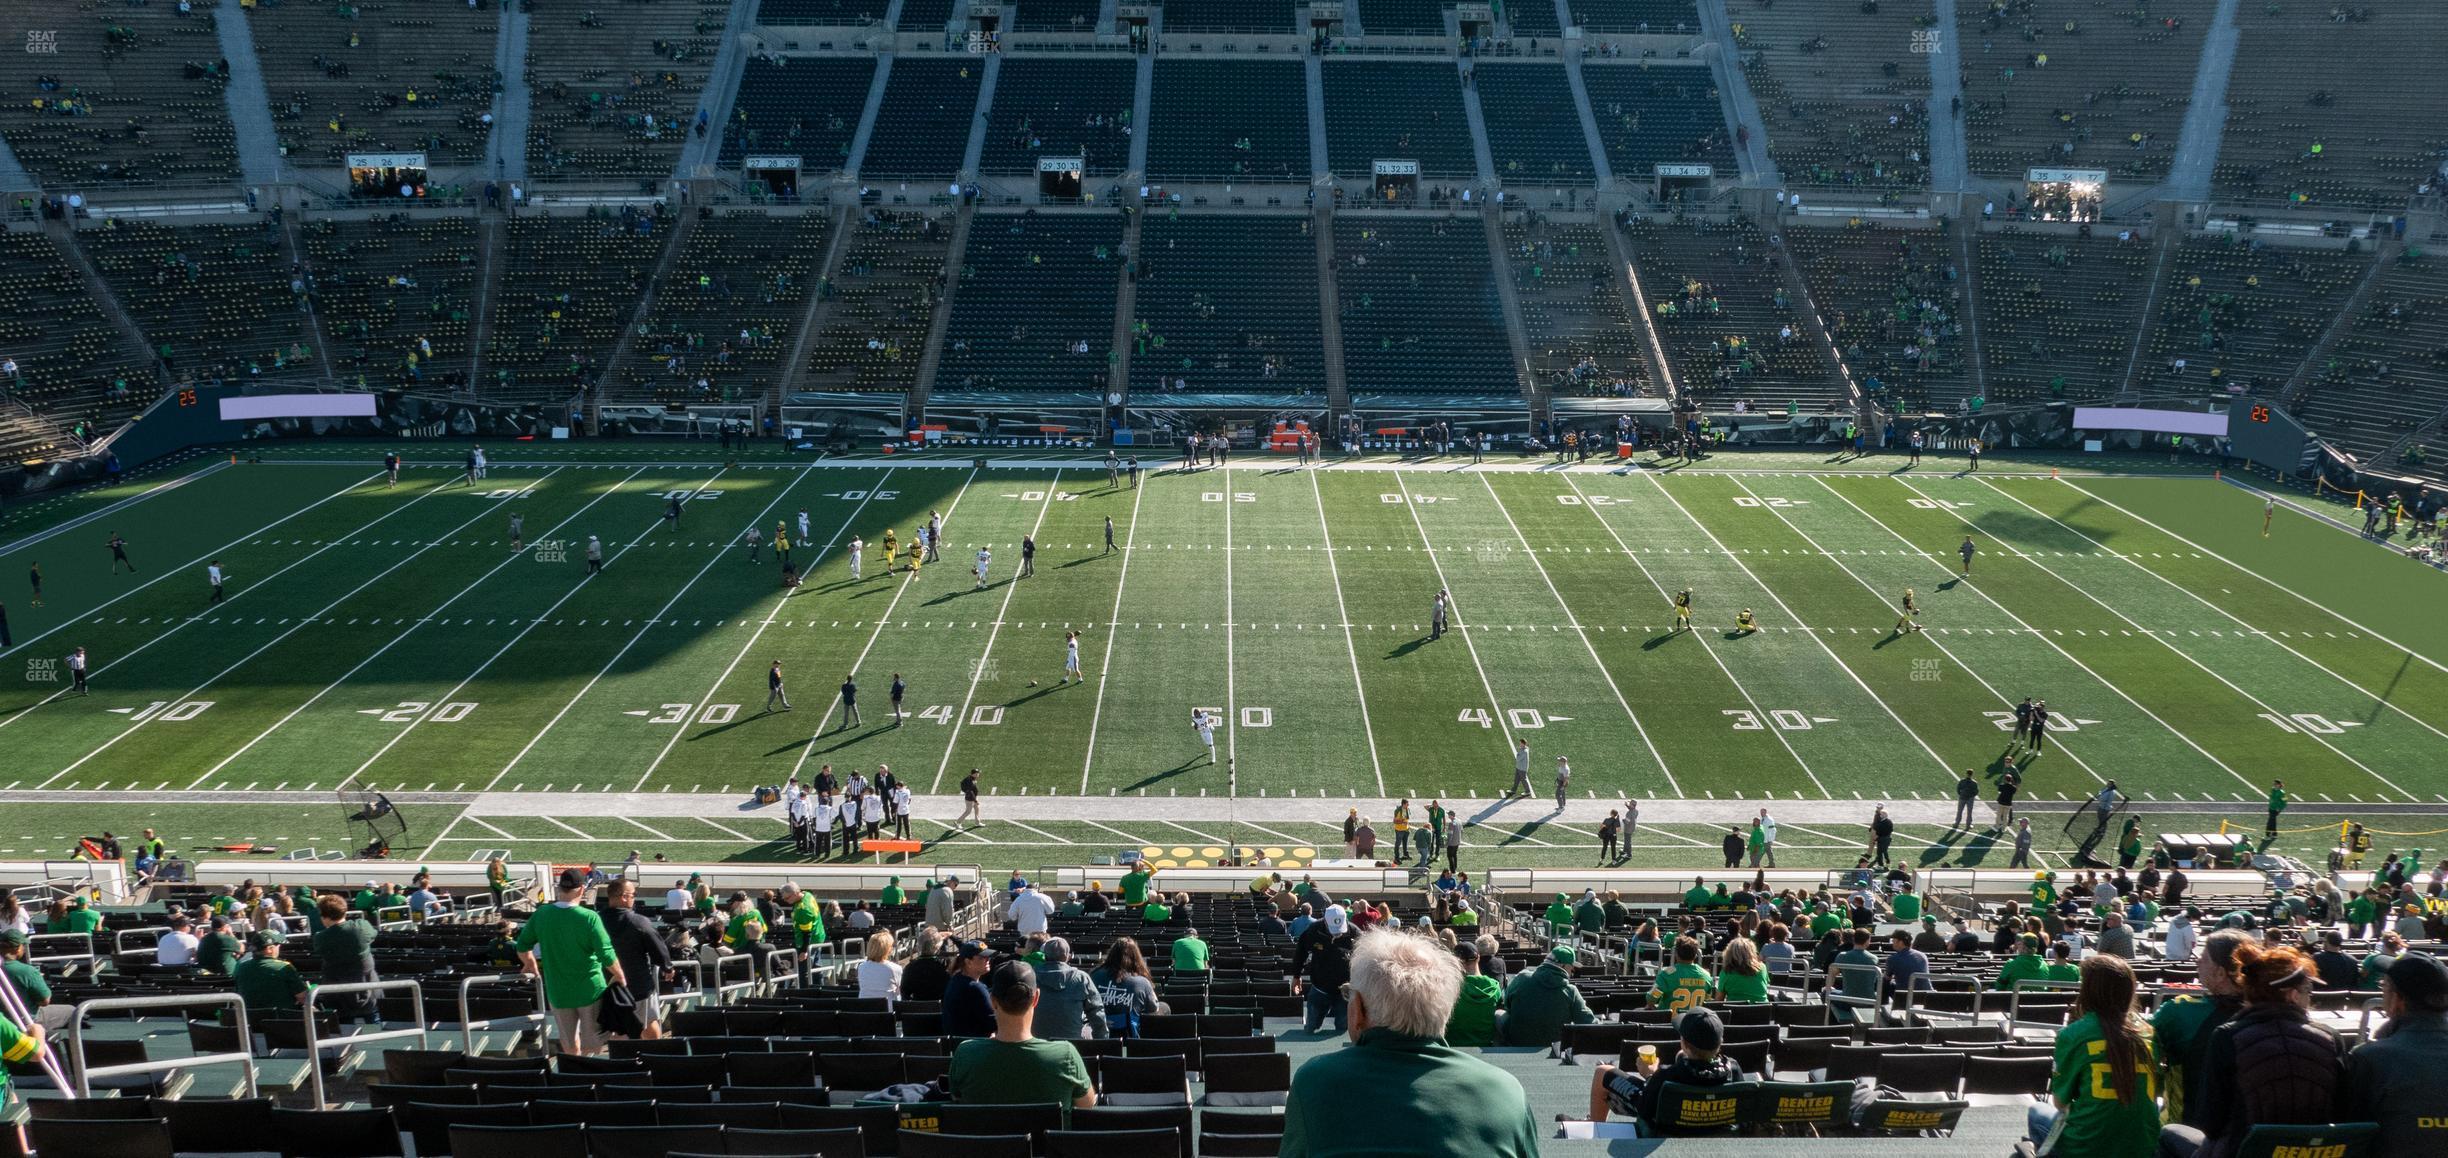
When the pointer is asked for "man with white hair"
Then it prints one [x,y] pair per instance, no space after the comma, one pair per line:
[1399,1069]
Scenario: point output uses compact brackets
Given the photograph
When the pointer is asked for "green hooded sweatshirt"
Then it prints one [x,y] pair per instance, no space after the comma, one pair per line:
[1474,1013]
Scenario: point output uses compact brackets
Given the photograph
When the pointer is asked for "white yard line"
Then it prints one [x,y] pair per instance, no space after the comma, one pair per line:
[275,641]
[651,830]
[1789,612]
[722,547]
[2043,638]
[1113,627]
[95,516]
[2323,608]
[1276,833]
[2231,616]
[1583,634]
[1700,636]
[479,822]
[1204,838]
[1124,835]
[1039,831]
[188,570]
[978,672]
[1343,615]
[2034,558]
[582,833]
[728,829]
[462,593]
[1452,612]
[833,702]
[778,605]
[1232,709]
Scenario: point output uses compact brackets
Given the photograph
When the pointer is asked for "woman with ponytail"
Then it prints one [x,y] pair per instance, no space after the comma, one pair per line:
[2103,1088]
[2270,1064]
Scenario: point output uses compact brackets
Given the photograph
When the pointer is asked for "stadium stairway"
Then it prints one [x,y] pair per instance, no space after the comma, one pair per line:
[677,236]
[931,358]
[1602,176]
[1330,312]
[98,291]
[2168,242]
[250,104]
[489,243]
[1661,371]
[2318,353]
[1950,168]
[1734,91]
[819,308]
[1814,325]
[514,105]
[1508,296]
[293,247]
[2205,123]
[722,85]
[1126,305]
[867,115]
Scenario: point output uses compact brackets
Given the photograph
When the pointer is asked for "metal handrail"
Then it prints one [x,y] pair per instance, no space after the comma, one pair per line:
[467,1021]
[119,941]
[788,967]
[314,1044]
[2014,997]
[245,1056]
[34,958]
[1835,995]
[723,990]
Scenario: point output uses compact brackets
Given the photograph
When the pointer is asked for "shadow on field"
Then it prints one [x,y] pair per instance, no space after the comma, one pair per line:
[1202,760]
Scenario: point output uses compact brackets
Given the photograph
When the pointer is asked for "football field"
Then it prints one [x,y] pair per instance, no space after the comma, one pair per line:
[386,637]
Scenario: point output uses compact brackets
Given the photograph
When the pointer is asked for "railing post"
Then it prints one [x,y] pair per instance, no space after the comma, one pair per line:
[76,1039]
[314,1045]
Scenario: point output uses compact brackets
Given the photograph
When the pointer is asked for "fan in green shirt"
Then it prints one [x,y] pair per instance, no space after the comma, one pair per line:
[807,921]
[747,929]
[1135,884]
[1683,984]
[1190,954]
[218,952]
[1559,917]
[2360,911]
[1589,916]
[1697,896]
[1155,912]
[2103,1118]
[570,948]
[29,980]
[267,984]
[1823,920]
[2027,965]
[367,900]
[893,893]
[78,919]
[1906,906]
[2044,890]
[1016,1067]
[2061,966]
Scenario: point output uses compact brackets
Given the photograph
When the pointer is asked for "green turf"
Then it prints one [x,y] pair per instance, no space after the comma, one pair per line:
[388,636]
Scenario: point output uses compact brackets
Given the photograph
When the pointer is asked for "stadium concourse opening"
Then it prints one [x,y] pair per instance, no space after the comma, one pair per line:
[2065,194]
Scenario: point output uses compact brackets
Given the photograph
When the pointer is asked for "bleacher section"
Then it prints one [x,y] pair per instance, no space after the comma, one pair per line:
[1419,306]
[393,76]
[2058,314]
[2095,85]
[1060,107]
[117,94]
[1530,143]
[211,298]
[1892,300]
[1583,336]
[1058,16]
[569,286]
[922,129]
[1227,304]
[395,296]
[729,307]
[1034,287]
[70,361]
[1240,120]
[2244,315]
[857,12]
[2304,78]
[885,287]
[617,86]
[1275,16]
[807,107]
[1658,116]
[1649,16]
[1397,111]
[2389,371]
[1402,17]
[1729,329]
[1844,95]
[1531,20]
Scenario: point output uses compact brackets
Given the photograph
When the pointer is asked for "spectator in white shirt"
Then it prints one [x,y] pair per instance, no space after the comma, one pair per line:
[178,946]
[678,900]
[1030,910]
[2183,940]
[879,975]
[862,917]
[422,902]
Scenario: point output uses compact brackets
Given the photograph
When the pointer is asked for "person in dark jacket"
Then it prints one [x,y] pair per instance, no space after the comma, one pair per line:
[967,1012]
[2270,1065]
[346,949]
[1635,1090]
[2337,970]
[2400,1077]
[2182,1025]
[1540,1003]
[645,958]
[923,979]
[1321,963]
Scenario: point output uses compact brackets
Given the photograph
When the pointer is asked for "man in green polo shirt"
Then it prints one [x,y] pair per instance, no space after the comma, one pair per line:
[1906,904]
[807,924]
[218,952]
[1016,1067]
[2277,804]
[893,893]
[32,987]
[367,900]
[1823,919]
[1190,953]
[1697,896]
[1135,884]
[270,986]
[1559,917]
[567,944]
[746,931]
[2361,911]
[80,918]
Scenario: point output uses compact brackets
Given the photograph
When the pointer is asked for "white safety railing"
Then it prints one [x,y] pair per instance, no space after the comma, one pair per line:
[119,942]
[2014,1001]
[723,989]
[468,1025]
[315,1045]
[85,1075]
[781,968]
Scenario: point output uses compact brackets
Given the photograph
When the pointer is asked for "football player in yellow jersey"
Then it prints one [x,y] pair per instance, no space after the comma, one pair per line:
[1910,620]
[1744,624]
[892,550]
[1682,606]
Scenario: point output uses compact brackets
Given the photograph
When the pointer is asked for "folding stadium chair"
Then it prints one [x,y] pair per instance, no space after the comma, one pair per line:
[551,1112]
[92,1109]
[207,1125]
[1789,1107]
[1111,1119]
[1935,1072]
[1752,1056]
[1989,1079]
[429,1124]
[576,1065]
[1248,1079]
[515,1142]
[801,1143]
[1926,1119]
[743,1114]
[1241,1121]
[1032,1120]
[851,1076]
[782,1068]
[650,1141]
[1846,1062]
[335,1133]
[2335,1140]
[1113,1144]
[879,1125]
[1685,1110]
[691,1070]
[1240,1145]
[1145,1081]
[116,1137]
[922,1144]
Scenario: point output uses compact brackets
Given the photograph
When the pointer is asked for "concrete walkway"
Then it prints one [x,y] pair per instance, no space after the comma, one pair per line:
[513,105]
[12,174]
[722,87]
[1757,167]
[1950,164]
[250,105]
